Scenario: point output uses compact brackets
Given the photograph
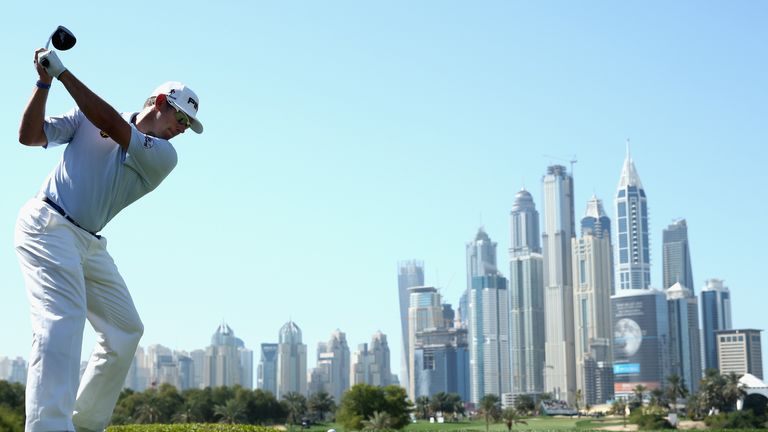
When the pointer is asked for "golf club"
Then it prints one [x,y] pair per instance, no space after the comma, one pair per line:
[62,39]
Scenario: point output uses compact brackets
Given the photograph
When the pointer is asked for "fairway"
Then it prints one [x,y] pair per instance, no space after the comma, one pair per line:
[534,423]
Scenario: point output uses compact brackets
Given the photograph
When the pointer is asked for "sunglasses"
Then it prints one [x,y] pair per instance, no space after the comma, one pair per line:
[181,116]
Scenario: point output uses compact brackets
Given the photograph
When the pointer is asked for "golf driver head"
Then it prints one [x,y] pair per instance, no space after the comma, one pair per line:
[62,40]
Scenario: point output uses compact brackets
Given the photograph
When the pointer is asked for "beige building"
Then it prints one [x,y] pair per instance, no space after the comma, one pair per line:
[740,352]
[592,286]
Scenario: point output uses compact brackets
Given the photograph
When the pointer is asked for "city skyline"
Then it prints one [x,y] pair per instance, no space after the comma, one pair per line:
[372,134]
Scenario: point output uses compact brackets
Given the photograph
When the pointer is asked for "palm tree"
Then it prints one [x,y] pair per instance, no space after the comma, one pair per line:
[439,403]
[711,391]
[489,406]
[455,404]
[321,403]
[422,406]
[512,417]
[657,398]
[620,407]
[579,395]
[732,391]
[379,421]
[147,413]
[639,391]
[675,390]
[231,412]
[296,405]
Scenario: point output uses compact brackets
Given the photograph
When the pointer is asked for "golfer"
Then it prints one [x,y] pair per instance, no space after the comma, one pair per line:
[110,161]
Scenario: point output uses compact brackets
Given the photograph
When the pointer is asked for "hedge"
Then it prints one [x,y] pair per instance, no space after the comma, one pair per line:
[189,427]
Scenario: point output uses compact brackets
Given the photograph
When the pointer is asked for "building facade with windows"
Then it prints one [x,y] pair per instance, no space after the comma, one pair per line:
[715,315]
[740,352]
[526,298]
[593,284]
[558,232]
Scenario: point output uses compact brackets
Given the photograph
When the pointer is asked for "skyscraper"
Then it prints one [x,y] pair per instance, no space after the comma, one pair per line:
[640,340]
[424,313]
[409,274]
[684,336]
[489,364]
[291,361]
[559,229]
[333,367]
[266,376]
[633,254]
[526,297]
[592,278]
[676,255]
[740,352]
[481,256]
[223,364]
[441,362]
[370,363]
[13,370]
[715,315]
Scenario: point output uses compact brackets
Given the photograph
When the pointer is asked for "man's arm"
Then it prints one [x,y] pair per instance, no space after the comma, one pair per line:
[100,113]
[31,131]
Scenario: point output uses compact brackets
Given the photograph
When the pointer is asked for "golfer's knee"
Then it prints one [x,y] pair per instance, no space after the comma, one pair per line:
[126,343]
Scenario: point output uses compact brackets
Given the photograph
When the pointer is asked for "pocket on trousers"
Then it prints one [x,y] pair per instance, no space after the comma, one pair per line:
[34,218]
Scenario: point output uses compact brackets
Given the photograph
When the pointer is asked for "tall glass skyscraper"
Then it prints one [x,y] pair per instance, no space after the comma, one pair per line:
[677,255]
[291,361]
[489,367]
[266,376]
[481,257]
[640,340]
[559,229]
[593,283]
[409,274]
[225,360]
[424,312]
[684,337]
[633,254]
[715,315]
[526,297]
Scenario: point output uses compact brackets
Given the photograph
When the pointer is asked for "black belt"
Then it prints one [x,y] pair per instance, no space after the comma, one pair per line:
[61,211]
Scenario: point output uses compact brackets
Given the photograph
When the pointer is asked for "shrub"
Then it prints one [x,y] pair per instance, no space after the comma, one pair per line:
[189,427]
[10,420]
[650,421]
[735,420]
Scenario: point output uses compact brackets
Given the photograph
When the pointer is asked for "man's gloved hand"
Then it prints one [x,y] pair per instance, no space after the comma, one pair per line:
[49,60]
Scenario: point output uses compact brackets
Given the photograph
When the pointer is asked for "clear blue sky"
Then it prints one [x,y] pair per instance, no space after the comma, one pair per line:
[342,137]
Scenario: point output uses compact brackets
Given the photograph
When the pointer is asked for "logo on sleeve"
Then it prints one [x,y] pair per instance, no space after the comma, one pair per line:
[103,134]
[148,142]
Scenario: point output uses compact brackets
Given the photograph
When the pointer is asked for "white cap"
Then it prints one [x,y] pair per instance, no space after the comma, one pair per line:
[183,98]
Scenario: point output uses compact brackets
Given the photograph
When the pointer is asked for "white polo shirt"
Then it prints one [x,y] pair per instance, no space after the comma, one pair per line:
[96,178]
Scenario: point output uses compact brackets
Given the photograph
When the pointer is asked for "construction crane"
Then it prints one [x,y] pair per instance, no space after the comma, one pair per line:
[572,160]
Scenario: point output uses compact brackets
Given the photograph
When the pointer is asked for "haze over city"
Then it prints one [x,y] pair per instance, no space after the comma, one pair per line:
[342,138]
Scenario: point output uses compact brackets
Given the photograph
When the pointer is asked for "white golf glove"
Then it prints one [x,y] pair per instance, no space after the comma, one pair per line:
[51,63]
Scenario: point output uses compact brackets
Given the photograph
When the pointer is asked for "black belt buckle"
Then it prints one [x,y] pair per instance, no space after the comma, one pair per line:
[61,211]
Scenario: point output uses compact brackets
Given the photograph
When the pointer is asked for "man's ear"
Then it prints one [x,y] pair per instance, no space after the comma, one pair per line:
[160,100]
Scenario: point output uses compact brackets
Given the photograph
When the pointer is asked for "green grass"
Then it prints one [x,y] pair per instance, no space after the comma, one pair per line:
[534,424]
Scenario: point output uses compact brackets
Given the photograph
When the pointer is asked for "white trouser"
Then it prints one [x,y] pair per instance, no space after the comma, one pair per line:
[69,277]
